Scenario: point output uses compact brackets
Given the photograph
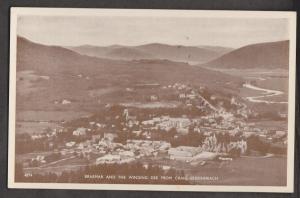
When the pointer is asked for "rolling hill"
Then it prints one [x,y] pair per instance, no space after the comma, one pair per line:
[269,55]
[52,59]
[53,73]
[56,60]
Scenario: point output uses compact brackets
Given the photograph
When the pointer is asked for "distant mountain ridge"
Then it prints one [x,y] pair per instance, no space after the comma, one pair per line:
[268,55]
[53,60]
[154,51]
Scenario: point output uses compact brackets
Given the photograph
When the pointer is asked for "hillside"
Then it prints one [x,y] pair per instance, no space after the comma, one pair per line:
[52,73]
[154,51]
[52,59]
[219,49]
[55,60]
[263,55]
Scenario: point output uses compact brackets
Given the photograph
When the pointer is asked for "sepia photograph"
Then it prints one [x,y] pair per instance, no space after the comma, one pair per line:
[164,100]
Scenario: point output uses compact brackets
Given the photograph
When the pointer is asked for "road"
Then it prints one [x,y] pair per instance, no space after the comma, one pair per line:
[266,93]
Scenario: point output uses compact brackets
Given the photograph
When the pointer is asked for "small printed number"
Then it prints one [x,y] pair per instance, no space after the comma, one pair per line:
[28,174]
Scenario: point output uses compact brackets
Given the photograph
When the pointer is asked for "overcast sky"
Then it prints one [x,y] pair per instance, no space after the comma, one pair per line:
[104,30]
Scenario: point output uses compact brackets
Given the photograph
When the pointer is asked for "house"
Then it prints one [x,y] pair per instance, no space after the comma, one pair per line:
[165,168]
[178,123]
[137,132]
[153,97]
[148,122]
[213,97]
[197,129]
[39,158]
[129,89]
[64,102]
[233,101]
[100,125]
[70,144]
[191,96]
[108,159]
[91,123]
[79,131]
[109,136]
[183,130]
[183,153]
[35,137]
[182,96]
[130,123]
[127,153]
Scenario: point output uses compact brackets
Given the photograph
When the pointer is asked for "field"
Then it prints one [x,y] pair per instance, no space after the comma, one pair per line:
[279,125]
[247,171]
[274,83]
[241,171]
[34,127]
[55,116]
[37,121]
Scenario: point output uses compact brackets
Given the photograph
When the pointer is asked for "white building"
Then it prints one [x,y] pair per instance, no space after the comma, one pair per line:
[178,123]
[183,153]
[70,144]
[79,131]
[153,97]
[108,159]
[64,102]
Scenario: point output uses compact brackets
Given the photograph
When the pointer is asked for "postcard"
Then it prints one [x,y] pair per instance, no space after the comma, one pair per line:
[159,100]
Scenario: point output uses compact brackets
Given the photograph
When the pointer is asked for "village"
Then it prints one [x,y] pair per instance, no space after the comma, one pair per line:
[123,135]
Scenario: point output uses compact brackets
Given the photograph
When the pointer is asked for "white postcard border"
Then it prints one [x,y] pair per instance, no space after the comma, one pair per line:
[17,11]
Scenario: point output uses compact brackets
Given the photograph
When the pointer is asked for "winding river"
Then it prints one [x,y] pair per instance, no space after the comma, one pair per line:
[266,93]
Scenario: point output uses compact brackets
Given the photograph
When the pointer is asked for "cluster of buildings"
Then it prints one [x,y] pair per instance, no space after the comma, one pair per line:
[47,134]
[166,123]
[133,150]
[111,152]
[105,150]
